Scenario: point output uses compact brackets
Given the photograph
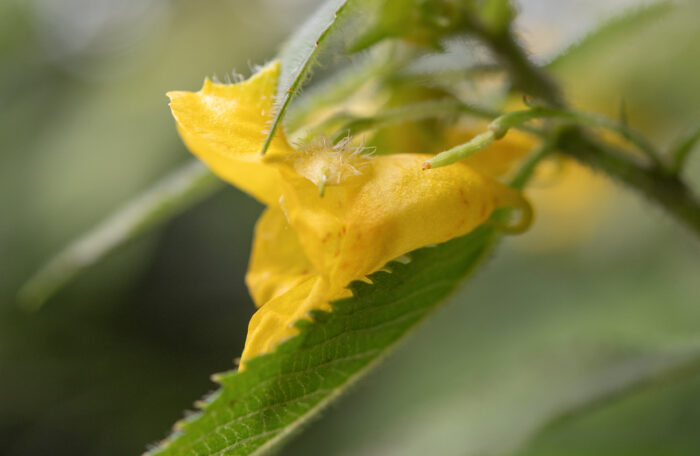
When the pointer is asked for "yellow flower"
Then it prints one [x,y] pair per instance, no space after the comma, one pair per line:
[310,244]
[571,200]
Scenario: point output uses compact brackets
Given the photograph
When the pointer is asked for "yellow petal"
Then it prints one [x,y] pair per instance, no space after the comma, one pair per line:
[274,322]
[277,262]
[391,209]
[225,126]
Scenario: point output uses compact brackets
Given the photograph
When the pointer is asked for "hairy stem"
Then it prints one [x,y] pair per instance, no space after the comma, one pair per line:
[662,188]
[667,191]
[525,74]
[516,118]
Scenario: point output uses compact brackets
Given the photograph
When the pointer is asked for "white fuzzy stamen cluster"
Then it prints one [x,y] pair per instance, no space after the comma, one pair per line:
[325,163]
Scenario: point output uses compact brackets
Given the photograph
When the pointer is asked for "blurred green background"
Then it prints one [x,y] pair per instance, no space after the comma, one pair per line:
[114,359]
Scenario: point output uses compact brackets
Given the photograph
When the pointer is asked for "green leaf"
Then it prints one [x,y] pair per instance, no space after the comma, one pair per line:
[170,196]
[299,54]
[255,410]
[617,27]
[529,339]
[618,382]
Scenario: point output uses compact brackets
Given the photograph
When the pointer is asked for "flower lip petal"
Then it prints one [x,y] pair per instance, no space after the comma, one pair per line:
[225,125]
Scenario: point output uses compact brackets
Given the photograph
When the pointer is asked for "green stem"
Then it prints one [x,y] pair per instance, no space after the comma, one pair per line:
[517,118]
[496,130]
[457,153]
[406,113]
[664,189]
[526,76]
[347,125]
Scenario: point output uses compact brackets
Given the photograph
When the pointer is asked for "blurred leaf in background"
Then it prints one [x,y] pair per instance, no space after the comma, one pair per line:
[84,126]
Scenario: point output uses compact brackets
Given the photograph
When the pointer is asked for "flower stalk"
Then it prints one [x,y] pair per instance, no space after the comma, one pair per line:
[457,153]
[663,188]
